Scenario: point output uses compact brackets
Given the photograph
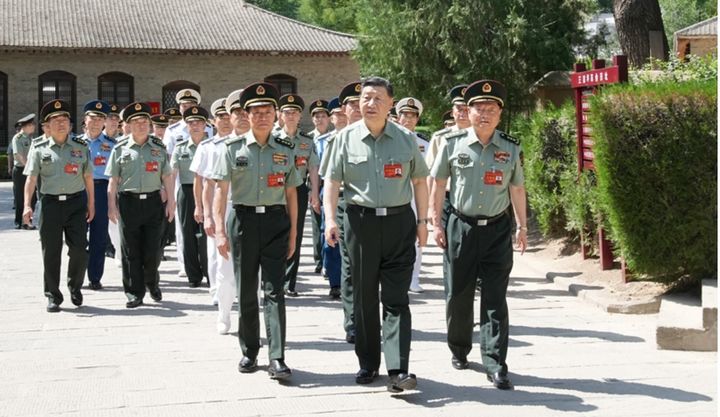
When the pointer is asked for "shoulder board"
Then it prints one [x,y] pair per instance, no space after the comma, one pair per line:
[41,141]
[182,142]
[285,142]
[206,141]
[305,134]
[122,141]
[174,124]
[113,140]
[443,131]
[422,136]
[332,136]
[509,138]
[81,141]
[456,134]
[234,139]
[156,140]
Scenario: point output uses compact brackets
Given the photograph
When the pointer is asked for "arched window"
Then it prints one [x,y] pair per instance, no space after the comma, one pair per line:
[170,90]
[116,88]
[4,125]
[58,85]
[285,84]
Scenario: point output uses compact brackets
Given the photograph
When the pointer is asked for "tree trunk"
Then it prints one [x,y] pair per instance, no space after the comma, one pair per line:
[640,30]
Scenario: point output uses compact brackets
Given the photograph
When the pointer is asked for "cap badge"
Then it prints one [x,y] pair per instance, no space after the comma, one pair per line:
[138,107]
[411,102]
[462,92]
[291,99]
[318,103]
[187,93]
[194,110]
[57,105]
[98,105]
[173,112]
[357,88]
[486,88]
[260,90]
[162,118]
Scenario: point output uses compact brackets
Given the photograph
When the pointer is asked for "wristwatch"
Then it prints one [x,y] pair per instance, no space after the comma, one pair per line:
[421,221]
[522,228]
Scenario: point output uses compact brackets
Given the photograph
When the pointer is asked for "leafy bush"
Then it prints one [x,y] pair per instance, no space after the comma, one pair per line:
[4,166]
[655,153]
[579,199]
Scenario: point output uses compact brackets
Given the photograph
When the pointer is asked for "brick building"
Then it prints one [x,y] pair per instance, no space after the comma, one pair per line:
[132,50]
[699,39]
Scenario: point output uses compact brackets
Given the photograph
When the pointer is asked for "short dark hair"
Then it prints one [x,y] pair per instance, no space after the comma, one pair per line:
[378,82]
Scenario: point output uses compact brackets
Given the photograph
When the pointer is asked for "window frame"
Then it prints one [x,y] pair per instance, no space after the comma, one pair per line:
[116,77]
[278,79]
[175,86]
[58,76]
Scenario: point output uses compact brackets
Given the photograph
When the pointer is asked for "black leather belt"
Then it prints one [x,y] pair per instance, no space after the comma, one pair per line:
[380,211]
[447,195]
[63,197]
[100,181]
[477,220]
[258,209]
[140,196]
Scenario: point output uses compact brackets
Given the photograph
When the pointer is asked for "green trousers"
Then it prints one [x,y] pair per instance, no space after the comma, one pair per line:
[346,287]
[293,263]
[481,253]
[194,238]
[382,254]
[260,243]
[57,219]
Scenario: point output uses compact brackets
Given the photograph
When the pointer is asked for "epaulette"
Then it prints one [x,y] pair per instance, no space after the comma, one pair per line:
[331,136]
[443,131]
[206,141]
[110,139]
[38,139]
[41,140]
[157,141]
[510,138]
[422,136]
[306,134]
[285,142]
[174,124]
[235,139]
[182,142]
[455,135]
[122,141]
[81,141]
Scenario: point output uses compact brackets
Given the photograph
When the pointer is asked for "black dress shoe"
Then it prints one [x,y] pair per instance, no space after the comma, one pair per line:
[29,227]
[95,286]
[318,268]
[155,294]
[401,382]
[18,226]
[458,363]
[365,376]
[76,298]
[52,307]
[278,370]
[500,380]
[195,284]
[335,293]
[247,365]
[291,293]
[350,336]
[135,302]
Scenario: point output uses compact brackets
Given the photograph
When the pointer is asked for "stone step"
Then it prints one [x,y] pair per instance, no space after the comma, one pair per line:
[709,303]
[681,325]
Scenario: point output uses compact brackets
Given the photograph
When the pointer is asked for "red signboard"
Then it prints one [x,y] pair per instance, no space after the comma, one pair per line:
[595,77]
[154,107]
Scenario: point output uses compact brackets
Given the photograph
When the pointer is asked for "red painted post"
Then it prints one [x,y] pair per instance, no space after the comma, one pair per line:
[580,67]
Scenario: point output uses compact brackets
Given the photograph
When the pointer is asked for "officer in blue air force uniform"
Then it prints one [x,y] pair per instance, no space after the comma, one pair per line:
[483,167]
[100,146]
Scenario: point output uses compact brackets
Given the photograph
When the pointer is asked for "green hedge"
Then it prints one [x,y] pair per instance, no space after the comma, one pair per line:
[4,166]
[656,159]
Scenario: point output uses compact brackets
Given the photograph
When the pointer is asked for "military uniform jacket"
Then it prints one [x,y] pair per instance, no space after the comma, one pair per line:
[61,167]
[178,132]
[305,155]
[100,149]
[21,147]
[258,174]
[376,172]
[182,158]
[140,168]
[479,175]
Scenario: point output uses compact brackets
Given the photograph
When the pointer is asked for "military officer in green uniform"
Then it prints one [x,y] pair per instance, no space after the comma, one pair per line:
[306,164]
[160,122]
[21,146]
[173,115]
[483,167]
[258,167]
[68,201]
[195,258]
[139,166]
[112,123]
[380,165]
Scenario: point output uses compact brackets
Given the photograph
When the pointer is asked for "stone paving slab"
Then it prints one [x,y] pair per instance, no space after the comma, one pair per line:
[164,359]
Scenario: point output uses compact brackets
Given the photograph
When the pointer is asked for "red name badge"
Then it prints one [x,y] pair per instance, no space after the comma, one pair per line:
[494,177]
[72,169]
[99,160]
[152,166]
[393,171]
[276,180]
[301,161]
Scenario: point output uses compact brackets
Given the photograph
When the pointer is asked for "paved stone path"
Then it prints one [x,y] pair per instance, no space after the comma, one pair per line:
[165,359]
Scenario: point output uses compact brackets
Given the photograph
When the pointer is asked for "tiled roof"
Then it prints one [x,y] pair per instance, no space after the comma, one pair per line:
[705,28]
[184,25]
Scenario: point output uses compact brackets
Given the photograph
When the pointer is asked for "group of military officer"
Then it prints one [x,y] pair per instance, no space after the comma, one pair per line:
[247,188]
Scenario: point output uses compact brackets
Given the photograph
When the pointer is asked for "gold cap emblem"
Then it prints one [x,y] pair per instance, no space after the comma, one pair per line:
[486,88]
[113,107]
[98,105]
[291,99]
[194,110]
[162,118]
[173,112]
[187,93]
[462,92]
[411,102]
[260,90]
[318,103]
[138,107]
[57,105]
[358,87]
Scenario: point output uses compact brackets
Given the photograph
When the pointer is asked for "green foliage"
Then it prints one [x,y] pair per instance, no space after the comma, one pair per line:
[426,47]
[694,69]
[4,166]
[287,8]
[339,15]
[580,202]
[656,158]
[679,14]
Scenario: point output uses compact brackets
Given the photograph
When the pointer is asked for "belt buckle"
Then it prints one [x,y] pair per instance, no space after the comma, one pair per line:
[62,197]
[381,211]
[259,209]
[482,222]
[142,196]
